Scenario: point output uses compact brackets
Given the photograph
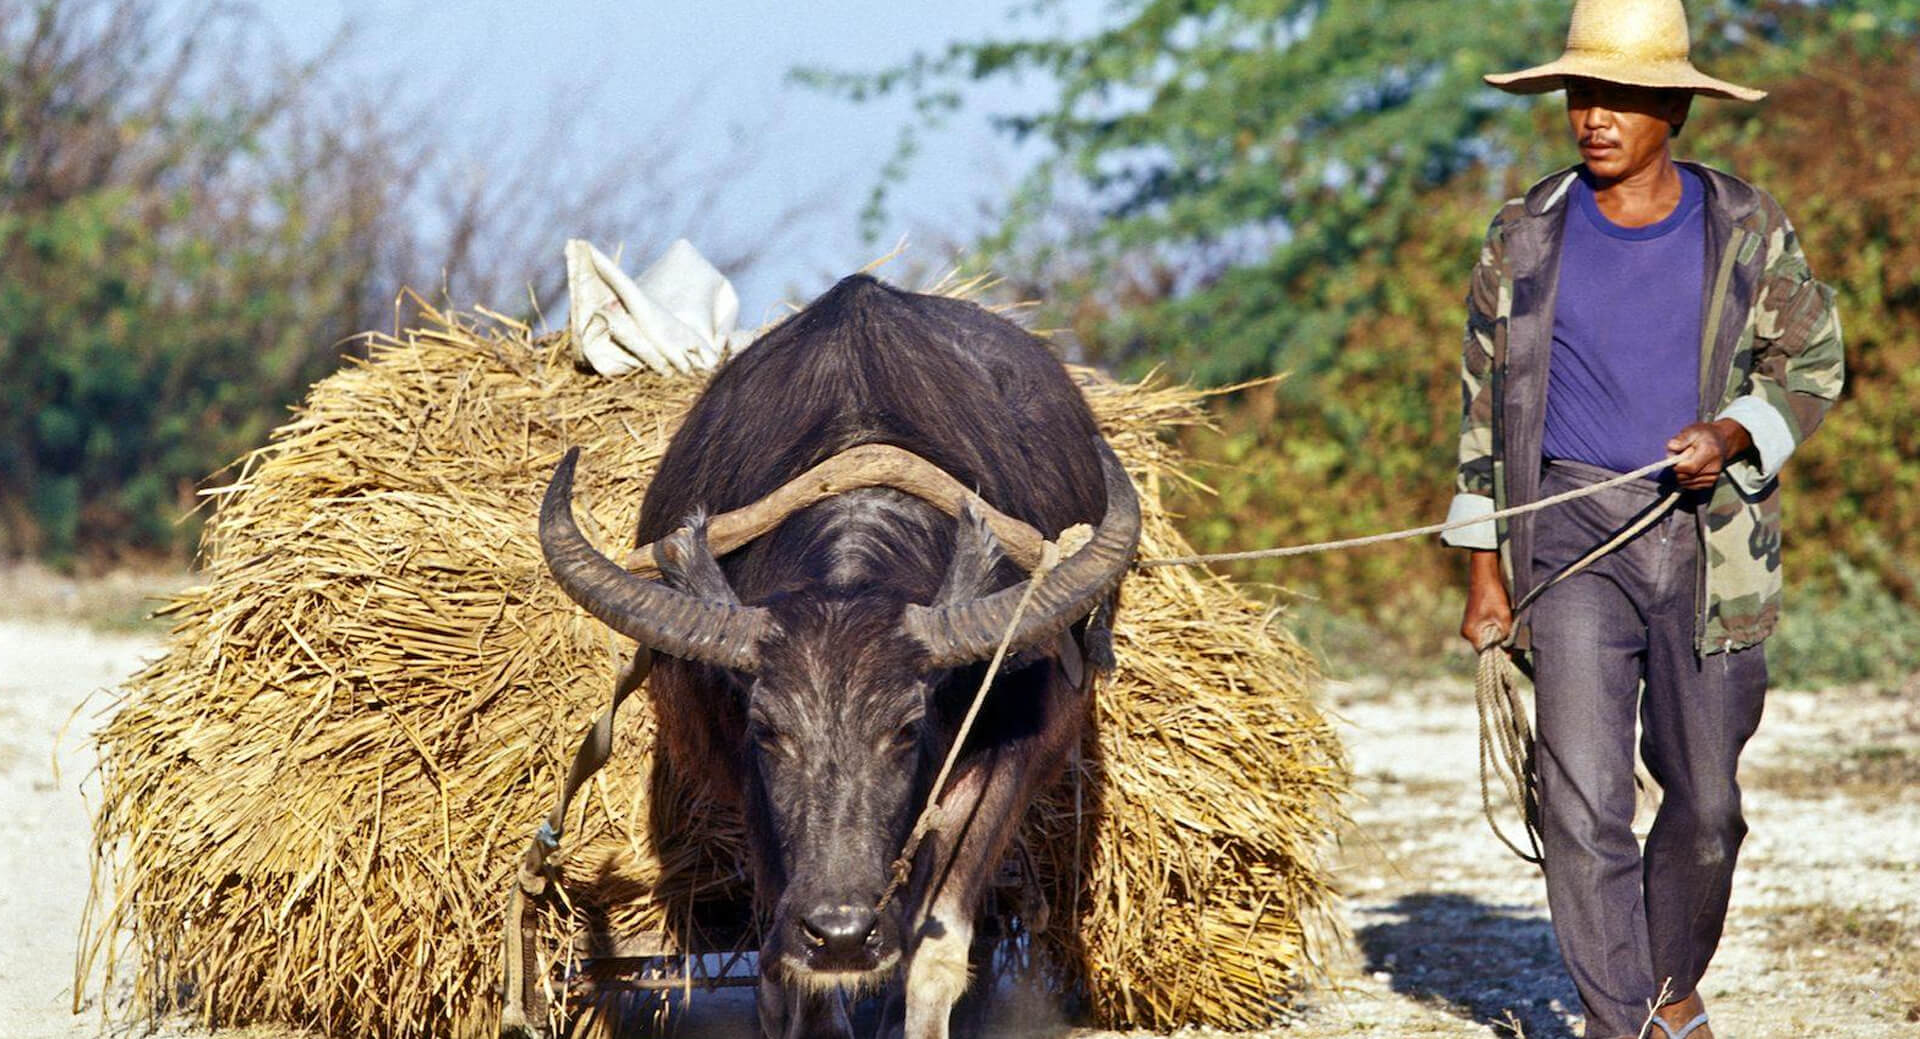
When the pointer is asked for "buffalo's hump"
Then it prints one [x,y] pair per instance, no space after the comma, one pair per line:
[866,363]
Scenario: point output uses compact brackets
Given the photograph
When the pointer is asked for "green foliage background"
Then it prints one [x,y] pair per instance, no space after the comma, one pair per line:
[190,231]
[163,284]
[1245,187]
[194,227]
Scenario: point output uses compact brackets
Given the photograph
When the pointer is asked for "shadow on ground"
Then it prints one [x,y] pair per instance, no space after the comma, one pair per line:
[1479,960]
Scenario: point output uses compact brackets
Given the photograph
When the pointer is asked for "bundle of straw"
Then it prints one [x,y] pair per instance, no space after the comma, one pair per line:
[314,802]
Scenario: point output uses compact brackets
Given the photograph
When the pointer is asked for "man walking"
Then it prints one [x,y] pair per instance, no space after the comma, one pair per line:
[1625,310]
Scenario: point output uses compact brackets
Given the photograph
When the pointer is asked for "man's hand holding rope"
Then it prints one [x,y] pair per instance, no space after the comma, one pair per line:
[1705,448]
[1699,453]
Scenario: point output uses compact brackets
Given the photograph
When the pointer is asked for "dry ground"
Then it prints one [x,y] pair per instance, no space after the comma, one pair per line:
[1449,935]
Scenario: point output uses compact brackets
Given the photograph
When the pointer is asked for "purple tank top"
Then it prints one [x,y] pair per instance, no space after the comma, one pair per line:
[1624,375]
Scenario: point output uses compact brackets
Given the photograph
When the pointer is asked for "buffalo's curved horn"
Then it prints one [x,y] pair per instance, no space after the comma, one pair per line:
[963,633]
[726,634]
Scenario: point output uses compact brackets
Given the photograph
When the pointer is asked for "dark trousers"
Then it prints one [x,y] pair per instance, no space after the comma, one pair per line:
[1612,645]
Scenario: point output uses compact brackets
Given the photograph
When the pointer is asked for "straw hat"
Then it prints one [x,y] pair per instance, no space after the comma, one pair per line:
[1637,42]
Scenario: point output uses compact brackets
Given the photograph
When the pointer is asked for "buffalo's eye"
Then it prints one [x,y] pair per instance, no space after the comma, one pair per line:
[905,737]
[768,739]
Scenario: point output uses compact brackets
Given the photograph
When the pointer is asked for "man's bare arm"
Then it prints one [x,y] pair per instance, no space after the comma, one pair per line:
[1489,614]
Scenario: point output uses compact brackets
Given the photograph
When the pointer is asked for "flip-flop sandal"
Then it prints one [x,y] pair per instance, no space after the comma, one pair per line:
[1685,1030]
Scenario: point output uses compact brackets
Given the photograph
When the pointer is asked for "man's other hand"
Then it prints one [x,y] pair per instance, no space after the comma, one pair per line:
[1705,448]
[1489,616]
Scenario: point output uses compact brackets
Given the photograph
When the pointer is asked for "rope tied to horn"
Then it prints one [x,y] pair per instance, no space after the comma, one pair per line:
[897,874]
[1088,561]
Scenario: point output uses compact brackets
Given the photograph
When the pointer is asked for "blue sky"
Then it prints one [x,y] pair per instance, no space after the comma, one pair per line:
[507,62]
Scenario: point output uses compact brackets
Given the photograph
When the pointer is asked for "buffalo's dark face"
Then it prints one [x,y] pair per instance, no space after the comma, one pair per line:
[838,757]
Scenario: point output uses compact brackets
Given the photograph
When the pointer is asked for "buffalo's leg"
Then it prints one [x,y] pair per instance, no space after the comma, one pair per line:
[978,816]
[940,971]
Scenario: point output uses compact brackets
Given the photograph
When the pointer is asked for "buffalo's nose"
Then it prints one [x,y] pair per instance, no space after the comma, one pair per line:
[839,933]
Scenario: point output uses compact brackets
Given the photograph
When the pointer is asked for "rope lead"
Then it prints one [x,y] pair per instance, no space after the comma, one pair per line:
[903,864]
[1412,532]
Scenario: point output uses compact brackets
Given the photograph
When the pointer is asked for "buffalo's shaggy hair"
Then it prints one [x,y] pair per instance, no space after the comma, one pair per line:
[973,393]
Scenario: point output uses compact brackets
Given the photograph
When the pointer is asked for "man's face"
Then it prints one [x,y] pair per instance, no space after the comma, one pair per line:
[1622,129]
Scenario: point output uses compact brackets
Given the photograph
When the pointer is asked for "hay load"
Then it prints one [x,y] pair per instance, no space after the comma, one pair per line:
[313,804]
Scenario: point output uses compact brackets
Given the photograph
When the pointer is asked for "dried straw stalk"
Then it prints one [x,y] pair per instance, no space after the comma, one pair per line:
[312,805]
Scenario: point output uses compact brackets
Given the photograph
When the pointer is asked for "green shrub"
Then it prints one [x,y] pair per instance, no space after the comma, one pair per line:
[1847,627]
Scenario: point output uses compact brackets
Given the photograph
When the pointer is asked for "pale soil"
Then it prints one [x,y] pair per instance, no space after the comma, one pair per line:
[53,677]
[1449,935]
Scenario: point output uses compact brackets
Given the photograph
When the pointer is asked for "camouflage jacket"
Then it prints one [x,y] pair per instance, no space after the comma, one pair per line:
[1771,359]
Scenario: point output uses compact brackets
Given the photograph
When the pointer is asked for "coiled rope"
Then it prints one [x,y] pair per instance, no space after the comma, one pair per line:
[1506,736]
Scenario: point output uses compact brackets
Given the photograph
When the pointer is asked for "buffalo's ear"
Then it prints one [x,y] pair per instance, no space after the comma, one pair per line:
[687,563]
[976,554]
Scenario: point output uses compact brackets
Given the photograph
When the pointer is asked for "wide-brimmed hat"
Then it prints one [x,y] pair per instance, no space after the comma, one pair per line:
[1641,43]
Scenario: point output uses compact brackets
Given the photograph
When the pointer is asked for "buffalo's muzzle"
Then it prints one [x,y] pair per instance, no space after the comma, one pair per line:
[841,937]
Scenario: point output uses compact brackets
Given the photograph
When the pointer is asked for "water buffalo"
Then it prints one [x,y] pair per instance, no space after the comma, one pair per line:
[817,676]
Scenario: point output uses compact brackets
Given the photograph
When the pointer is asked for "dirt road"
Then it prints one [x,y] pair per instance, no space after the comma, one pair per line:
[47,670]
[1449,932]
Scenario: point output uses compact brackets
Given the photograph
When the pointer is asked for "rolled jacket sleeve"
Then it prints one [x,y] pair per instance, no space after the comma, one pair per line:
[1480,535]
[1773,442]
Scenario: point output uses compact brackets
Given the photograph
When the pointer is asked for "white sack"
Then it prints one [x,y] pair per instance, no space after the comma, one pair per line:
[678,316]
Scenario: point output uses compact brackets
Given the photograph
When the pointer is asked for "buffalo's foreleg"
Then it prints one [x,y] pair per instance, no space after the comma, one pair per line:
[979,814]
[940,970]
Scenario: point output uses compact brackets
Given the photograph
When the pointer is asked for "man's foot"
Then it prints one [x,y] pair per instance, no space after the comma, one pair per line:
[1682,1019]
